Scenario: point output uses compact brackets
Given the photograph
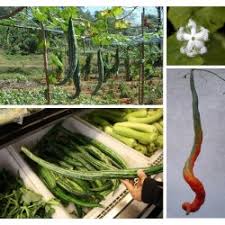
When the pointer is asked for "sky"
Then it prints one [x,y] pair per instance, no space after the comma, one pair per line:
[137,12]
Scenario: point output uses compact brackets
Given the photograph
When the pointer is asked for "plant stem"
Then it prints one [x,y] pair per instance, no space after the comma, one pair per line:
[45,55]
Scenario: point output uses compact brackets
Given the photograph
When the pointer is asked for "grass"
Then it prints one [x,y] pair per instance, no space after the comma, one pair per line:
[19,60]
[17,73]
[153,93]
[21,67]
[30,68]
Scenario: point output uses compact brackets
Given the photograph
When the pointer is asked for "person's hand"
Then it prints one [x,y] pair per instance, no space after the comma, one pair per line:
[136,189]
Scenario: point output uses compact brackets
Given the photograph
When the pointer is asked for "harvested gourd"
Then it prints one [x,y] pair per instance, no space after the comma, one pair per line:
[78,170]
[141,129]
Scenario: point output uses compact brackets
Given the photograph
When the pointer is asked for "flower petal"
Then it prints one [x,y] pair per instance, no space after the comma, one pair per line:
[203,50]
[198,44]
[183,50]
[180,33]
[186,36]
[192,25]
[202,35]
[194,38]
[190,45]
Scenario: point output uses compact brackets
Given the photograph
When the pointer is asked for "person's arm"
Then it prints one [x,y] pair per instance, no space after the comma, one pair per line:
[147,189]
[152,192]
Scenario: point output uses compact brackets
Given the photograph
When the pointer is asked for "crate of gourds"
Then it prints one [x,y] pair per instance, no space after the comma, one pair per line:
[140,129]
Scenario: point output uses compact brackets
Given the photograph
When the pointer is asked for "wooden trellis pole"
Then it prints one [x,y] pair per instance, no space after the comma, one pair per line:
[142,68]
[127,64]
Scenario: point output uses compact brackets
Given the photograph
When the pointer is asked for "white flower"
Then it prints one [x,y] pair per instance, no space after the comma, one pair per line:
[194,38]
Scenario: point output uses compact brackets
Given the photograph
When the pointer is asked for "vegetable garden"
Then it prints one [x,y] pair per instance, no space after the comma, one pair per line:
[80,55]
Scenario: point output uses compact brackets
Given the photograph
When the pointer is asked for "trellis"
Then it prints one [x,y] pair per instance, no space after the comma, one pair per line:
[140,43]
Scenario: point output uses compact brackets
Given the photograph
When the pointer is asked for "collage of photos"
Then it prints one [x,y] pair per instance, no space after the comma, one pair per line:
[112,112]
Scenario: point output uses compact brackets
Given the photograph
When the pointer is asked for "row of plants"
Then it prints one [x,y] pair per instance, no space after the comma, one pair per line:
[105,38]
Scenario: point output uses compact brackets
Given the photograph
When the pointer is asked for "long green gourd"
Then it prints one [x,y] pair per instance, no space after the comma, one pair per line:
[76,80]
[72,52]
[115,158]
[142,137]
[138,126]
[115,68]
[128,141]
[92,175]
[107,67]
[149,119]
[47,178]
[87,66]
[74,67]
[100,72]
[188,173]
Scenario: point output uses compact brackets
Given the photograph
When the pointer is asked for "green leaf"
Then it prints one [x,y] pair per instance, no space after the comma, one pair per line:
[104,13]
[52,78]
[212,18]
[117,10]
[121,24]
[216,50]
[68,12]
[174,57]
[56,61]
[39,15]
[179,16]
[30,196]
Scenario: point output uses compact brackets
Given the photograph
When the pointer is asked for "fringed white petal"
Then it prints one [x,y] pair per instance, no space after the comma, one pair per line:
[180,34]
[199,44]
[190,45]
[187,36]
[203,50]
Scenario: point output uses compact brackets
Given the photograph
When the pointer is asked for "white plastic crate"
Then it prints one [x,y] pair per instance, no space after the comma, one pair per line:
[75,124]
[110,141]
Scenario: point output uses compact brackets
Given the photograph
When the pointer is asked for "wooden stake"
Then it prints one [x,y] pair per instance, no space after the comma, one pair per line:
[142,68]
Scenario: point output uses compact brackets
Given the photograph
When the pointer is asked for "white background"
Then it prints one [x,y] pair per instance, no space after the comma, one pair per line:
[210,165]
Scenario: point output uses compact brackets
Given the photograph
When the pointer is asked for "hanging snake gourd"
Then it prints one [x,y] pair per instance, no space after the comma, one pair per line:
[188,173]
[101,72]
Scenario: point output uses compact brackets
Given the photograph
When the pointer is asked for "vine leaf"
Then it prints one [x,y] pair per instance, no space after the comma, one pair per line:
[117,10]
[179,16]
[120,24]
[212,18]
[216,50]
